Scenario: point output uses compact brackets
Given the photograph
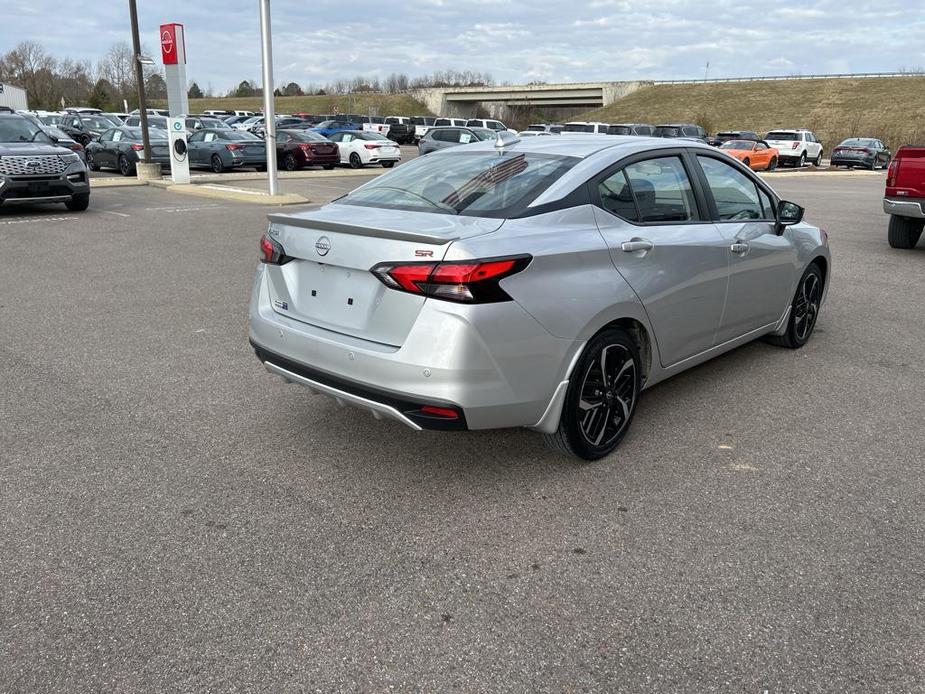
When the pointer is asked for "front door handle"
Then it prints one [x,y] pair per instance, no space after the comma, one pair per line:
[739,248]
[636,245]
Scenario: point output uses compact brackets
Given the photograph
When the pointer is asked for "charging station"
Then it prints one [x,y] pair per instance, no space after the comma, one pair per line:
[173,54]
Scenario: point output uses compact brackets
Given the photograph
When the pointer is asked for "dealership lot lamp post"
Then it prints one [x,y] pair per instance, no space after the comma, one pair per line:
[269,114]
[140,61]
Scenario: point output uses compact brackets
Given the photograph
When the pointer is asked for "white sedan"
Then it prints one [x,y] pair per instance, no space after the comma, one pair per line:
[361,148]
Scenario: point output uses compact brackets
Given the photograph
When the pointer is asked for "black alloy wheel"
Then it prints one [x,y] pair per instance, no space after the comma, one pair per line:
[355,161]
[601,399]
[126,168]
[217,165]
[804,310]
[290,163]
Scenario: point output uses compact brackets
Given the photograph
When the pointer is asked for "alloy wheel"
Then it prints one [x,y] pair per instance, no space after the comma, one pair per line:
[608,394]
[806,307]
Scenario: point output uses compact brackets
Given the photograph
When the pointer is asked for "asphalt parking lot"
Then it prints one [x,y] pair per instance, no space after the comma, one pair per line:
[174,518]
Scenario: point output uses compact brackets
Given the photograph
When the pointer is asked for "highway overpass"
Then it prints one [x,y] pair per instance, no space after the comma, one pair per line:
[463,102]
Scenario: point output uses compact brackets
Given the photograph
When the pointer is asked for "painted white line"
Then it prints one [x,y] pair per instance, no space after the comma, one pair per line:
[118,214]
[30,220]
[174,208]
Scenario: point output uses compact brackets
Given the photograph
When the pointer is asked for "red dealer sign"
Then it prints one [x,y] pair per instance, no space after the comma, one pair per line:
[172,44]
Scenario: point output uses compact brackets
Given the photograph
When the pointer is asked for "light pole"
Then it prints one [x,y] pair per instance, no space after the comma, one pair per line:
[140,61]
[269,113]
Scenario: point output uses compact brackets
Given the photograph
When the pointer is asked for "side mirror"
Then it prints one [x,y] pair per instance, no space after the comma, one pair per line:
[788,214]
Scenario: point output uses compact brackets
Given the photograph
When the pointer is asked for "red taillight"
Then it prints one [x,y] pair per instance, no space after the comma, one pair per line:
[371,146]
[77,147]
[138,148]
[892,172]
[233,146]
[443,412]
[306,147]
[271,252]
[474,281]
[794,145]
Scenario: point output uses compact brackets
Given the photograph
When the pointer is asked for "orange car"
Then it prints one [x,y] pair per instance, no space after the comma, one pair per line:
[755,155]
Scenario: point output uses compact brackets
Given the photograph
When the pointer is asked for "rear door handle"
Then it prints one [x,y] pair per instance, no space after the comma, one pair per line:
[636,245]
[739,248]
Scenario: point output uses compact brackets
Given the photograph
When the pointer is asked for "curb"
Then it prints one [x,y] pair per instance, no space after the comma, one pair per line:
[205,190]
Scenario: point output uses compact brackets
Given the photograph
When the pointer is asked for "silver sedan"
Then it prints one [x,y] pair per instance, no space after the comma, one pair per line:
[541,283]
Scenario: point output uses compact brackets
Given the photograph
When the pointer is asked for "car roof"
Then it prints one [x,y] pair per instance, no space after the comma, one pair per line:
[585,146]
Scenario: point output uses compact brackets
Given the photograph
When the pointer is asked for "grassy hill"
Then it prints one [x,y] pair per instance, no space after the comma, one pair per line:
[889,108]
[388,104]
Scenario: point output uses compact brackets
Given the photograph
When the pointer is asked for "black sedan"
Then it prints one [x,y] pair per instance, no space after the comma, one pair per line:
[868,152]
[727,135]
[122,148]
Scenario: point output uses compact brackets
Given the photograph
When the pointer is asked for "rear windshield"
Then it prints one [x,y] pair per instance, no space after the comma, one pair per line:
[238,136]
[663,131]
[782,135]
[306,136]
[477,184]
[858,142]
[418,120]
[578,128]
[537,128]
[738,144]
[620,130]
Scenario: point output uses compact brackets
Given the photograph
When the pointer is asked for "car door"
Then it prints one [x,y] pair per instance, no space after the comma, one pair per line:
[345,145]
[663,243]
[195,148]
[763,263]
[112,148]
[761,156]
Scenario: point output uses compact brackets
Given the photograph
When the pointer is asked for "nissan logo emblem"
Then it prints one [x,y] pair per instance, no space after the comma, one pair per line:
[323,245]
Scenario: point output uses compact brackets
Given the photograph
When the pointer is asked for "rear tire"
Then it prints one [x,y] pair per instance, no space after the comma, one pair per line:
[91,162]
[747,162]
[126,168]
[355,161]
[601,398]
[818,161]
[772,165]
[802,160]
[78,202]
[804,311]
[290,163]
[904,232]
[217,165]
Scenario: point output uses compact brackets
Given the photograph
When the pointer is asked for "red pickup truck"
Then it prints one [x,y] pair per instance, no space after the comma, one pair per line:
[904,199]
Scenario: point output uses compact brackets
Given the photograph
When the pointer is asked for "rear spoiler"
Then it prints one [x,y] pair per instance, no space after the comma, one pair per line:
[343,228]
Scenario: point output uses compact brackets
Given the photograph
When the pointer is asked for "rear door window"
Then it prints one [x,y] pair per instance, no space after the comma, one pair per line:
[662,190]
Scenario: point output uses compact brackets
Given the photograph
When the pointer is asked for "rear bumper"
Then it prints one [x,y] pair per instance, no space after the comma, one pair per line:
[905,208]
[854,161]
[493,362]
[319,159]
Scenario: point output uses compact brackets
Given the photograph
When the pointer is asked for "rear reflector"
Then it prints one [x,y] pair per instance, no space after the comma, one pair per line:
[444,412]
[472,281]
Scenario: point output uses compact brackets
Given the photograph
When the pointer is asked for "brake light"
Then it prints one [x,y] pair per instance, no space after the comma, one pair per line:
[371,146]
[271,252]
[233,146]
[892,172]
[472,282]
[138,148]
[76,147]
[794,145]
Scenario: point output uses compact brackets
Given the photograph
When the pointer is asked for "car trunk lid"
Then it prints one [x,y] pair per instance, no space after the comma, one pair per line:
[329,284]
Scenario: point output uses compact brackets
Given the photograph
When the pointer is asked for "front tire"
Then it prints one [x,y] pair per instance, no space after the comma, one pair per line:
[78,202]
[804,310]
[601,398]
[904,232]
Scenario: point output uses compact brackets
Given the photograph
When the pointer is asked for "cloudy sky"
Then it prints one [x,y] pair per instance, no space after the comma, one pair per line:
[514,40]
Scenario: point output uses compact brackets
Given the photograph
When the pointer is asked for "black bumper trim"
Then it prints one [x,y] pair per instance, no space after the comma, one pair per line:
[409,408]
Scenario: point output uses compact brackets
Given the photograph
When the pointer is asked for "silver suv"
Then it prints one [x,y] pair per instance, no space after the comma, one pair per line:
[540,283]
